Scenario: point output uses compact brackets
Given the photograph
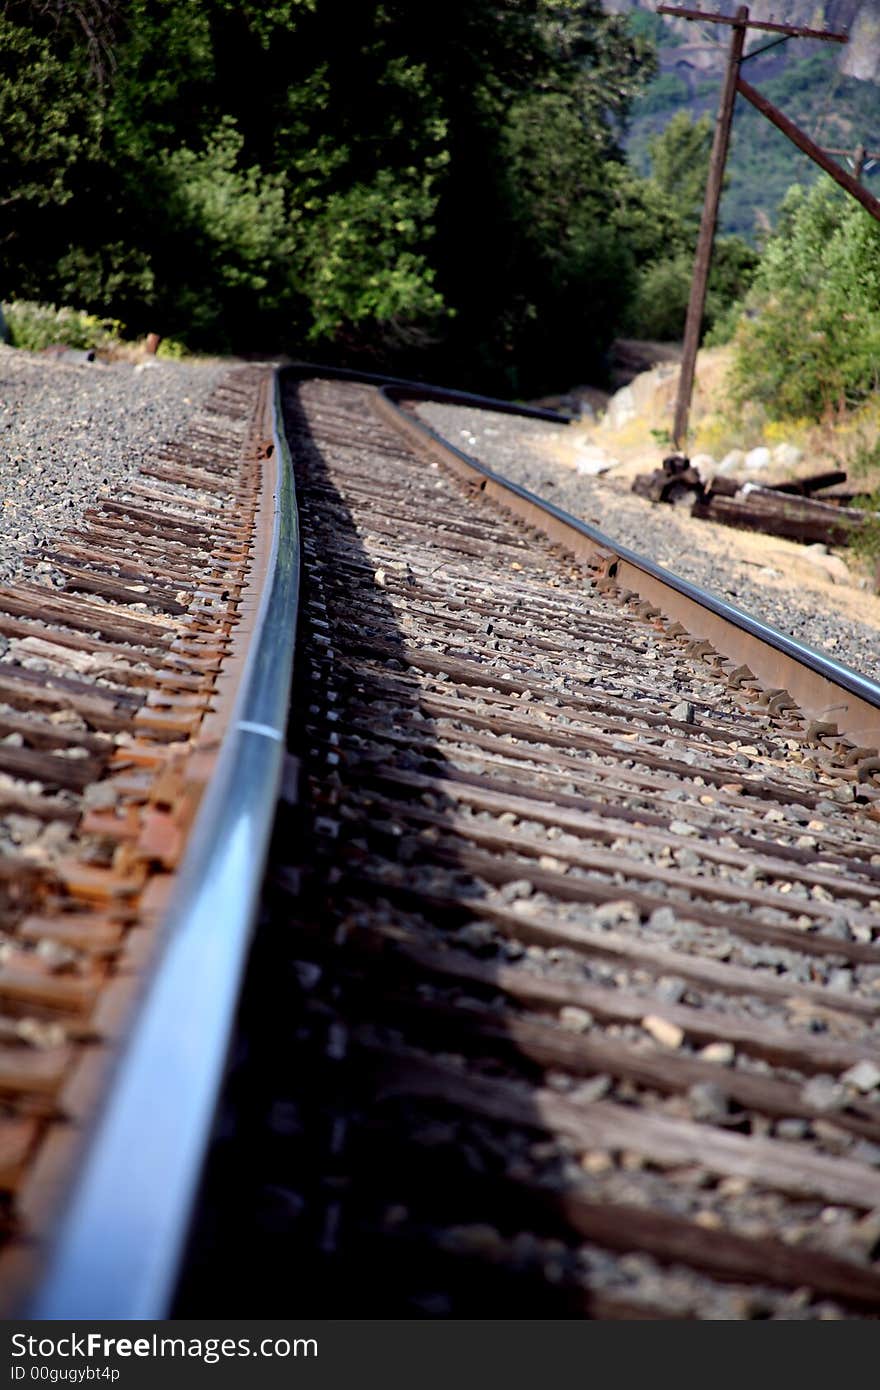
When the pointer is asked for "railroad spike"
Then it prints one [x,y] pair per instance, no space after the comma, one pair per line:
[818,729]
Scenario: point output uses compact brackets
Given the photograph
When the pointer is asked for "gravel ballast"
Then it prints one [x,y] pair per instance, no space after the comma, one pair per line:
[70,431]
[696,550]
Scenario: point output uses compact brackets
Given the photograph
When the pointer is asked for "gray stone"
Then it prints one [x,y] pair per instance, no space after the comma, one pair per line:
[664,536]
[866,1152]
[614,913]
[518,888]
[669,988]
[662,919]
[791,1129]
[476,933]
[864,1076]
[787,455]
[824,1094]
[683,827]
[593,1089]
[708,1101]
[71,433]
[575,1020]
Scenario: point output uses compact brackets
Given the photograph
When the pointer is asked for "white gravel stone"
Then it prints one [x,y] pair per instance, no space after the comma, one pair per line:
[705,465]
[575,1020]
[831,565]
[865,1076]
[758,459]
[662,1031]
[824,1093]
[732,461]
[682,827]
[621,409]
[70,432]
[787,455]
[593,460]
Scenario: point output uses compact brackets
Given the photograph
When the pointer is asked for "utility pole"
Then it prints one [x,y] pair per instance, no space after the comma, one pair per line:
[817,154]
[734,84]
[706,238]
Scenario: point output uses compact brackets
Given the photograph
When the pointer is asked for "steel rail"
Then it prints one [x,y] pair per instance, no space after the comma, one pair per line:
[119,1247]
[824,689]
[121,1241]
[427,391]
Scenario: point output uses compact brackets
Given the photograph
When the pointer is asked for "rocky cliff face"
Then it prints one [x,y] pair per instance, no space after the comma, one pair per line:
[860,58]
[858,18]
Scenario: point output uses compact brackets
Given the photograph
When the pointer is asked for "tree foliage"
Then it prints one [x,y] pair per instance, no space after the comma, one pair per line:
[680,162]
[339,177]
[809,341]
[803,79]
[673,201]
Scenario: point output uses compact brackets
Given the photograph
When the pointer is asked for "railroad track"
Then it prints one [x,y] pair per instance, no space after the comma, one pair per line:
[564,996]
[117,687]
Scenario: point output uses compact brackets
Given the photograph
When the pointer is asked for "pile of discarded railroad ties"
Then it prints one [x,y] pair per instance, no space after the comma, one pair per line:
[811,509]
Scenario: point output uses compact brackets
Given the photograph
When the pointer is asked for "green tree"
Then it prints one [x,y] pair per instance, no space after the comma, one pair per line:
[527,248]
[333,174]
[680,163]
[49,129]
[673,201]
[809,341]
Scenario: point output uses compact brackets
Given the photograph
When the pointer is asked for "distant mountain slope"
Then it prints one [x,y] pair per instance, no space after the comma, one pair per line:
[831,90]
[860,19]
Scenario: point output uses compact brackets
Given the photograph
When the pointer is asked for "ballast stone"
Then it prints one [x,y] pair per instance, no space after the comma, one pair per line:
[758,459]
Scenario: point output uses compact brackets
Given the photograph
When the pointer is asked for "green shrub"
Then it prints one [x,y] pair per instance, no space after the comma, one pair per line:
[173,349]
[724,328]
[36,326]
[666,91]
[809,342]
[661,299]
[866,541]
[660,306]
[261,176]
[235,237]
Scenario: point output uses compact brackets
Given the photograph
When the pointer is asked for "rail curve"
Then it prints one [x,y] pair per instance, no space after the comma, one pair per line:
[535,832]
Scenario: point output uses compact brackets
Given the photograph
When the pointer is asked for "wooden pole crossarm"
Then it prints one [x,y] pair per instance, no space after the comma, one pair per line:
[803,142]
[791,30]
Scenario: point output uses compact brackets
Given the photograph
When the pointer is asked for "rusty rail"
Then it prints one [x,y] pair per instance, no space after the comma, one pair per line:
[826,690]
[118,1251]
[549,969]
